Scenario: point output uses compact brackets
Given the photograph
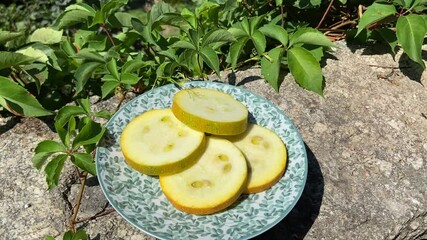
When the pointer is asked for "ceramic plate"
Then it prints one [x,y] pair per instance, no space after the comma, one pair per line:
[139,199]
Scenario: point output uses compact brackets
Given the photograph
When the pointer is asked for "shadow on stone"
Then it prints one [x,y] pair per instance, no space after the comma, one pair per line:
[97,237]
[10,123]
[299,221]
[92,181]
[248,80]
[410,68]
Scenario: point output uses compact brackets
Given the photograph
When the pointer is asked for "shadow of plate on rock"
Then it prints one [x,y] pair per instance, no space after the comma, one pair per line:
[299,221]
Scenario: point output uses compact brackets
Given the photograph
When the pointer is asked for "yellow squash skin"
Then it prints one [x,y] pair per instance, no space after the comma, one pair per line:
[157,143]
[210,111]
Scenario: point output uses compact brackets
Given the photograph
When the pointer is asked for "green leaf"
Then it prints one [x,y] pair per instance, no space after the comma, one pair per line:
[305,69]
[411,30]
[85,104]
[46,36]
[85,162]
[72,17]
[129,78]
[53,170]
[89,55]
[23,102]
[253,24]
[133,66]
[375,13]
[271,69]
[83,73]
[68,235]
[36,54]
[66,112]
[103,114]
[8,59]
[80,235]
[190,17]
[237,32]
[39,159]
[6,36]
[112,68]
[210,58]
[49,146]
[183,44]
[244,24]
[80,6]
[49,238]
[91,133]
[259,41]
[310,36]
[235,51]
[275,32]
[389,36]
[217,36]
[316,51]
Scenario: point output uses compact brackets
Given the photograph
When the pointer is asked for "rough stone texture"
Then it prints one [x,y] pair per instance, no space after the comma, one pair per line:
[366,141]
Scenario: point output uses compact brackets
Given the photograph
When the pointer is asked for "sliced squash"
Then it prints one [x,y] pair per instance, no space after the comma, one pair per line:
[156,143]
[266,155]
[210,111]
[212,184]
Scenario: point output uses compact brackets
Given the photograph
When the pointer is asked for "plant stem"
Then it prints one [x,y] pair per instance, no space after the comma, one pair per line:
[72,221]
[122,98]
[110,37]
[325,13]
[97,215]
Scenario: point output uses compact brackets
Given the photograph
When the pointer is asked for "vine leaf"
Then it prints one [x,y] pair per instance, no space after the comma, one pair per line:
[8,59]
[375,13]
[91,133]
[310,36]
[259,41]
[410,31]
[210,58]
[53,170]
[271,69]
[305,69]
[275,32]
[83,73]
[389,36]
[6,36]
[85,162]
[217,36]
[49,146]
[66,112]
[19,100]
[236,49]
[46,36]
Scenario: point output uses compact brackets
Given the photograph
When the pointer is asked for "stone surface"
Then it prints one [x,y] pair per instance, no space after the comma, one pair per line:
[366,141]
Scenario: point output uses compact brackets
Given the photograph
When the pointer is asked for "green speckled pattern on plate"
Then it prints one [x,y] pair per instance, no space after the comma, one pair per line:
[139,199]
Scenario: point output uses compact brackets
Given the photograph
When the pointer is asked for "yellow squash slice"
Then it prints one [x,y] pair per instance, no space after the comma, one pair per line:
[210,111]
[212,184]
[266,155]
[156,143]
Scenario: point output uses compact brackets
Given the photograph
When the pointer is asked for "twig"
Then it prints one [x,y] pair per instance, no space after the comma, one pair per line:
[72,221]
[325,13]
[108,34]
[122,98]
[97,215]
[389,67]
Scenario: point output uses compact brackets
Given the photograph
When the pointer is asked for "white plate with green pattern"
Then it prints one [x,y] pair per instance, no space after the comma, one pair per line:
[139,199]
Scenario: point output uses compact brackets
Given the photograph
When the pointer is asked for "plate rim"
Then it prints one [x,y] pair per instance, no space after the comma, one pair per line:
[203,84]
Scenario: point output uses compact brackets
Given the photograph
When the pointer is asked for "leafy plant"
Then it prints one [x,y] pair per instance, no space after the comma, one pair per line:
[410,24]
